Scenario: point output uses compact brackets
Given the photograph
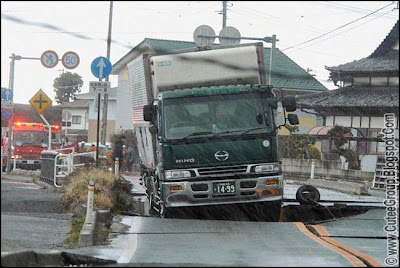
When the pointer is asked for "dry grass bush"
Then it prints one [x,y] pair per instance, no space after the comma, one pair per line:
[108,191]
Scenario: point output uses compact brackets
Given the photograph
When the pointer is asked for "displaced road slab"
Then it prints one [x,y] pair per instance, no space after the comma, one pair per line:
[31,216]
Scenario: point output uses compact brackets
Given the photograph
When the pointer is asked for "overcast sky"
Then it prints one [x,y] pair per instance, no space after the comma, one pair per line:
[30,28]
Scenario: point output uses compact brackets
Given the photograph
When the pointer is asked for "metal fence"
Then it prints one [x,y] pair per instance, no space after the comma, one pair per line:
[56,165]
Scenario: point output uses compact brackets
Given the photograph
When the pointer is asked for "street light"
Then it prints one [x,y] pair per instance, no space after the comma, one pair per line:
[11,86]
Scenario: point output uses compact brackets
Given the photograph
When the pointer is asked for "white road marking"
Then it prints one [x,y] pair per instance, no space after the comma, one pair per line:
[130,250]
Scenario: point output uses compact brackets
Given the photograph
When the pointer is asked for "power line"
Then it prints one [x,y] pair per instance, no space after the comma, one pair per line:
[312,39]
[348,8]
[353,27]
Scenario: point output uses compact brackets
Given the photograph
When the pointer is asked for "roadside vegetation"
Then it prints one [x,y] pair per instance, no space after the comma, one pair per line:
[110,194]
[73,235]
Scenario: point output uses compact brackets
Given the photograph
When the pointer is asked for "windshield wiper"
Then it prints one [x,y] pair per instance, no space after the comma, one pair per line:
[257,128]
[192,134]
[219,133]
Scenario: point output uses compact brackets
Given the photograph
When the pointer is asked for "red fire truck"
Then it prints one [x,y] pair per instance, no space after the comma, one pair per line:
[29,140]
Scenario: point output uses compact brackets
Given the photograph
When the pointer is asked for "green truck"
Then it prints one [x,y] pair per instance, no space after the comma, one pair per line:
[208,135]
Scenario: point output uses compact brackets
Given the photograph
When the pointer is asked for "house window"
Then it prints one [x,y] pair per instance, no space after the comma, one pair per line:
[76,120]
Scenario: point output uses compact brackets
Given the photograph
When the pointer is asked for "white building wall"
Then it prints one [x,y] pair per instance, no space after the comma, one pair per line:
[356,121]
[393,81]
[379,81]
[124,104]
[329,121]
[344,121]
[376,122]
[112,103]
[365,122]
[77,112]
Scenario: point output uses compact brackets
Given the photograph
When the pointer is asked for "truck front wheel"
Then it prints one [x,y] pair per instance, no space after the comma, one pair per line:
[164,212]
[272,211]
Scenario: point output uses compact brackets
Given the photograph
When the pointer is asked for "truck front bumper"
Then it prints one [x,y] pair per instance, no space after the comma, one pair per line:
[28,164]
[201,193]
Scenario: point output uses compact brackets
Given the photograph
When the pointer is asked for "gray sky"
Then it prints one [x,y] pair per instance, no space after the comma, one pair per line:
[82,27]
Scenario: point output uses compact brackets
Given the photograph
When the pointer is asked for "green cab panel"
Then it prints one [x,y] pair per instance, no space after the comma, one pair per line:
[220,153]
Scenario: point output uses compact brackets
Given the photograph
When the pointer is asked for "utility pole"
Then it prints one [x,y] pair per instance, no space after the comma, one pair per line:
[224,14]
[105,103]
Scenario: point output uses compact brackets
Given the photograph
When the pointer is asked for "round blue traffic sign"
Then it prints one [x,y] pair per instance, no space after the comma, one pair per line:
[101,67]
[6,114]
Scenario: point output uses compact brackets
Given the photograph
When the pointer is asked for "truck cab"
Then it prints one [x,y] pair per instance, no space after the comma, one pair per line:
[208,135]
[215,145]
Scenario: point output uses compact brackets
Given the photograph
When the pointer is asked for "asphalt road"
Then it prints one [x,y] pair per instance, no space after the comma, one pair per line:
[31,217]
[356,240]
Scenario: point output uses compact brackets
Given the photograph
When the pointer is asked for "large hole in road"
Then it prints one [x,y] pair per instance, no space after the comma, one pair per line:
[306,209]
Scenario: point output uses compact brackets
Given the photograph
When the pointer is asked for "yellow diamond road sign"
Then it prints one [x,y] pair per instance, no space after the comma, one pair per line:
[40,101]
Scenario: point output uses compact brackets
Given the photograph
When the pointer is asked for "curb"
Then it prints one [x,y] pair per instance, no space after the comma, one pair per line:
[347,187]
[89,233]
[49,259]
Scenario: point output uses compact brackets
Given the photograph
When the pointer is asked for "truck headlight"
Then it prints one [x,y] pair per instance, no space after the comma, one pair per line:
[169,174]
[275,167]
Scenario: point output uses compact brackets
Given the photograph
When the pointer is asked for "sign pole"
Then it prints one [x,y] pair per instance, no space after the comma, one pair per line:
[98,129]
[49,127]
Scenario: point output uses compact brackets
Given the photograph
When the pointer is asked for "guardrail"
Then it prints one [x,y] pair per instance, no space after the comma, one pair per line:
[56,165]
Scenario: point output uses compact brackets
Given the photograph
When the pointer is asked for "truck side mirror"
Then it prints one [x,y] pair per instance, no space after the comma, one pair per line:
[148,113]
[293,119]
[289,103]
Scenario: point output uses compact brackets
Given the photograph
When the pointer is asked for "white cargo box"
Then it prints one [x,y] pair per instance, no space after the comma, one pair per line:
[228,66]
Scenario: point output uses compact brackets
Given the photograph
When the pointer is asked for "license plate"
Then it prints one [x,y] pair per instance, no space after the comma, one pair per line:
[224,188]
[31,162]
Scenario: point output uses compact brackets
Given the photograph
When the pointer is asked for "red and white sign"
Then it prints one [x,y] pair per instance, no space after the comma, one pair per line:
[49,59]
[70,60]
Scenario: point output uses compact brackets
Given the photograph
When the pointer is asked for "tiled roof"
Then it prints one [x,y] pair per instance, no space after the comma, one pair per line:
[26,113]
[384,63]
[379,96]
[387,43]
[75,104]
[383,59]
[285,72]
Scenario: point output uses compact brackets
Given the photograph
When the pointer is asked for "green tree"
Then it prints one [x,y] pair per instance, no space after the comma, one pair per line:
[337,135]
[299,146]
[67,86]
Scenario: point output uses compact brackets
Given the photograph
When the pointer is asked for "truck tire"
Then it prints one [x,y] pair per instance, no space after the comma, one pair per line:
[272,211]
[164,212]
[307,195]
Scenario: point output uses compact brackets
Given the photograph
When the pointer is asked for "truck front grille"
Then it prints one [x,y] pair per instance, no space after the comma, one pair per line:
[222,170]
[30,157]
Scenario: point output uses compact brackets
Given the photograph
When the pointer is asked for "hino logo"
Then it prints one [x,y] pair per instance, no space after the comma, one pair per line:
[221,155]
[182,161]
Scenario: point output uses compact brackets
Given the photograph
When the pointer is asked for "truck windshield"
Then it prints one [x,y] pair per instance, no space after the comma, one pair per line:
[209,115]
[30,138]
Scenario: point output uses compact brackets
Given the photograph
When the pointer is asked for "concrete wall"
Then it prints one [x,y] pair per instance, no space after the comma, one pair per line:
[92,133]
[111,111]
[300,169]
